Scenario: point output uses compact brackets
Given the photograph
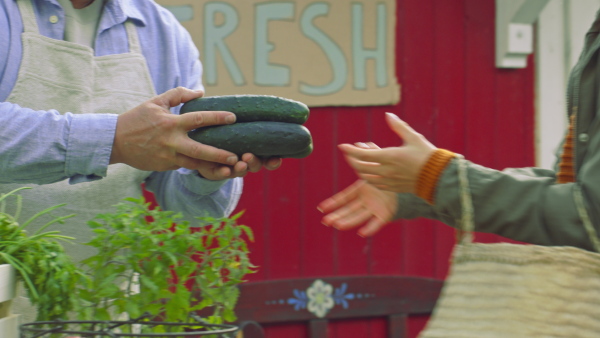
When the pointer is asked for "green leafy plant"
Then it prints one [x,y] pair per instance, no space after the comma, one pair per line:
[151,261]
[48,274]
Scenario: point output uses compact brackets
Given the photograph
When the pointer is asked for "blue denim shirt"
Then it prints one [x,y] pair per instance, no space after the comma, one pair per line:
[49,146]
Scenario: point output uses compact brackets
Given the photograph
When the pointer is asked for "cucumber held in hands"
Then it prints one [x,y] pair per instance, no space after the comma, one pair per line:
[261,138]
[266,126]
[250,108]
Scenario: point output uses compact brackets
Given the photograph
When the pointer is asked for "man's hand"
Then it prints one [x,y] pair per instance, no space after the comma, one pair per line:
[249,163]
[150,137]
[255,164]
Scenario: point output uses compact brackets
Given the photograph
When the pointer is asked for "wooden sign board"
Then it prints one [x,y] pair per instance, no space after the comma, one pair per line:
[323,53]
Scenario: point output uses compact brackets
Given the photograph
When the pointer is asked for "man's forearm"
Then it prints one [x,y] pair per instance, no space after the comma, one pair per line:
[44,146]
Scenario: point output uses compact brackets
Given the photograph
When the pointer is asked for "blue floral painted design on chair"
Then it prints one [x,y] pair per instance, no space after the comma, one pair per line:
[320,298]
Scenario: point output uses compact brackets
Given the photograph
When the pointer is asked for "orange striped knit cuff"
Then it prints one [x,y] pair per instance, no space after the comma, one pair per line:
[430,174]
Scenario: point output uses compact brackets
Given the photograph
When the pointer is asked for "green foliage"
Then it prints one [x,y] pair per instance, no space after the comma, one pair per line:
[148,262]
[154,262]
[49,275]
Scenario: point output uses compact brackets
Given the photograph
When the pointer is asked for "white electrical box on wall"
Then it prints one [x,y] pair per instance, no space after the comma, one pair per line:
[514,31]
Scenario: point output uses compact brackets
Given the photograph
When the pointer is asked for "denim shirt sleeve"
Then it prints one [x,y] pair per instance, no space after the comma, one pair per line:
[182,190]
[185,191]
[75,151]
[45,147]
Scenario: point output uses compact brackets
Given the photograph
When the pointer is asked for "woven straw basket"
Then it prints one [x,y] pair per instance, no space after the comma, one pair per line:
[512,290]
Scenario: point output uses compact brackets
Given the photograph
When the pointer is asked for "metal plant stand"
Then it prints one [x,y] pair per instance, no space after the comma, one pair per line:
[127,328]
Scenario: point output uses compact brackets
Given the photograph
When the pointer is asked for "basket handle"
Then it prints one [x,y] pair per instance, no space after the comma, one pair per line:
[587,223]
[464,233]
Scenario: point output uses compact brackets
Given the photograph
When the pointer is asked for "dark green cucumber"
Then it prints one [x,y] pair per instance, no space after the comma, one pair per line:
[250,108]
[304,153]
[262,138]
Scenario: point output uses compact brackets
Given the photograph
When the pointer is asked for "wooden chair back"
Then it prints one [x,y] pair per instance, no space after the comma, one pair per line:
[316,301]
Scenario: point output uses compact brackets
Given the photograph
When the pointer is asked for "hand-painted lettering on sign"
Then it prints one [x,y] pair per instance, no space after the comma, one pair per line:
[319,52]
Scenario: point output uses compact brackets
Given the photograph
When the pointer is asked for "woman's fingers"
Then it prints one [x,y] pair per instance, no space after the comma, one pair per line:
[336,201]
[362,167]
[372,227]
[348,216]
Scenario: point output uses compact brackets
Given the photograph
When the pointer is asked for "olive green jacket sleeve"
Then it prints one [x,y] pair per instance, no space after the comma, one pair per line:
[523,204]
[527,204]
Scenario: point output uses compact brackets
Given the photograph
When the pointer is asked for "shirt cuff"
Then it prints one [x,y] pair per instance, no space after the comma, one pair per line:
[430,174]
[197,184]
[89,146]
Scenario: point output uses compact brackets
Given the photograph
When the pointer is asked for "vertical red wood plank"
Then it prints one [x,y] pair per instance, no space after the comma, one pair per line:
[352,256]
[450,102]
[416,324]
[318,328]
[417,107]
[481,88]
[252,203]
[387,251]
[510,131]
[513,133]
[480,81]
[515,116]
[385,248]
[282,215]
[378,327]
[298,330]
[318,241]
[398,326]
[528,87]
[282,221]
[449,67]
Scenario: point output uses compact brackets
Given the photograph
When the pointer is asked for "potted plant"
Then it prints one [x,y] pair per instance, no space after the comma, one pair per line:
[38,262]
[152,264]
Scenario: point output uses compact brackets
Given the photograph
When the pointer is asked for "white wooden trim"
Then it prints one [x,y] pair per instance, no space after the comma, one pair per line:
[561,28]
[9,326]
[579,16]
[8,279]
[551,76]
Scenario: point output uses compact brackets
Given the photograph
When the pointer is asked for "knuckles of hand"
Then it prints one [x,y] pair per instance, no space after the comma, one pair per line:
[199,119]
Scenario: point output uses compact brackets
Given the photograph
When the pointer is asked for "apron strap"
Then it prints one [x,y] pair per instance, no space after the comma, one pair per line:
[132,37]
[30,25]
[28,16]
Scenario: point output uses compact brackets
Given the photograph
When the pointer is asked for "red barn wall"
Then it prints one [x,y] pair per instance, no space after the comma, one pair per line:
[454,95]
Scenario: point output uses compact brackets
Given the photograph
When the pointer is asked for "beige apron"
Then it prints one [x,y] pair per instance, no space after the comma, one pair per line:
[66,76]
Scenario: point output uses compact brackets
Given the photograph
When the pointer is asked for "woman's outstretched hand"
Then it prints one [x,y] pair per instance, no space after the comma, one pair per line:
[395,168]
[372,201]
[360,204]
